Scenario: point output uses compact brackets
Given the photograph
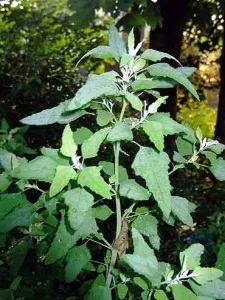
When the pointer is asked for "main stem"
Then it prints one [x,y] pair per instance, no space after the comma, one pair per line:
[117,202]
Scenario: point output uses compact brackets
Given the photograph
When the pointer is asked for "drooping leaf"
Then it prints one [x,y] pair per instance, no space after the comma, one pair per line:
[147,225]
[203,275]
[120,132]
[62,178]
[165,70]
[104,117]
[91,178]
[100,52]
[191,256]
[153,167]
[181,292]
[53,115]
[95,87]
[132,190]
[155,55]
[77,258]
[214,289]
[155,132]
[116,43]
[180,208]
[41,168]
[91,146]
[134,101]
[82,134]
[68,147]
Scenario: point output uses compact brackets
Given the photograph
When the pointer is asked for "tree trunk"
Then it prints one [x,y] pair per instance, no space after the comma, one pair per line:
[220,124]
[168,38]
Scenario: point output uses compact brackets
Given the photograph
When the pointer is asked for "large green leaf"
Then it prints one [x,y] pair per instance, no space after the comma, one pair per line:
[203,275]
[53,115]
[62,178]
[143,260]
[214,289]
[180,208]
[116,43]
[218,168]
[120,132]
[82,134]
[132,190]
[155,55]
[68,147]
[95,87]
[134,101]
[104,117]
[101,52]
[5,159]
[102,212]
[41,168]
[10,201]
[181,292]
[147,225]
[150,84]
[76,260]
[55,155]
[191,256]
[155,132]
[91,178]
[165,70]
[153,167]
[91,146]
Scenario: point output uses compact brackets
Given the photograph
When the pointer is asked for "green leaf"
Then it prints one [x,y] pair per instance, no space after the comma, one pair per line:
[55,155]
[62,178]
[77,258]
[103,117]
[214,289]
[68,147]
[153,167]
[188,71]
[102,212]
[165,70]
[41,168]
[122,290]
[120,132]
[91,146]
[5,182]
[153,108]
[134,101]
[154,130]
[82,134]
[220,263]
[95,87]
[139,64]
[180,208]
[9,201]
[143,260]
[80,203]
[99,292]
[91,178]
[218,168]
[132,190]
[141,283]
[53,115]
[5,159]
[17,254]
[203,275]
[131,42]
[191,256]
[116,43]
[100,52]
[181,292]
[108,168]
[150,84]
[160,295]
[154,55]
[147,225]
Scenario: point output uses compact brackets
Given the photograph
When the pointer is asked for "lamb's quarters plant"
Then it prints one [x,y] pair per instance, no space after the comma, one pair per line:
[98,220]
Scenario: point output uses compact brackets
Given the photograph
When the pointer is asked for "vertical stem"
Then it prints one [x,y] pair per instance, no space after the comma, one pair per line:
[117,201]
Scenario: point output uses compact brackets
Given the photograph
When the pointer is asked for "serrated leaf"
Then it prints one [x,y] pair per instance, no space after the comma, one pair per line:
[122,290]
[180,208]
[203,275]
[143,260]
[102,212]
[120,132]
[165,70]
[153,167]
[132,190]
[134,101]
[53,115]
[91,178]
[147,225]
[191,256]
[41,168]
[68,147]
[214,289]
[91,146]
[103,117]
[155,55]
[108,168]
[154,130]
[62,178]
[181,292]
[76,260]
[95,87]
[116,43]
[160,295]
[82,134]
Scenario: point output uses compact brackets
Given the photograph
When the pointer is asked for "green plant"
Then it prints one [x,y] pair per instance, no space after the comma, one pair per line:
[82,223]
